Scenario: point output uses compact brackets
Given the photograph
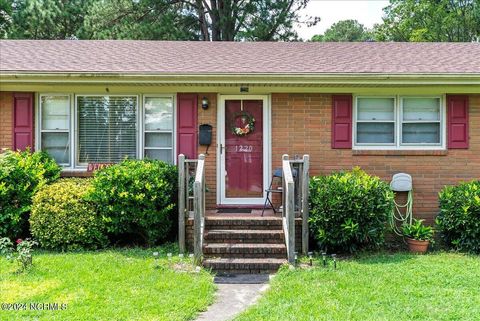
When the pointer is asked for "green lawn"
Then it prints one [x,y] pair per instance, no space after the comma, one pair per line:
[107,285]
[438,286]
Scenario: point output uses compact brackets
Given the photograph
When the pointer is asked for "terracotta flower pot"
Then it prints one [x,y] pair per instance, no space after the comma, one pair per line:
[417,246]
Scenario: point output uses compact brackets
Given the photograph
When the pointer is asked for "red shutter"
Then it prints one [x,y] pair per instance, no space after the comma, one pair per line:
[342,121]
[457,113]
[22,121]
[187,125]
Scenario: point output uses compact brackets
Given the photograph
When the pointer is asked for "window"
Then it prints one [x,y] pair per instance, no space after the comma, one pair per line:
[107,128]
[399,122]
[158,125]
[55,127]
[376,121]
[421,121]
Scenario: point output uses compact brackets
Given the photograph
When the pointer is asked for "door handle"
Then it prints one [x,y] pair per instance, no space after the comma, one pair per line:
[221,149]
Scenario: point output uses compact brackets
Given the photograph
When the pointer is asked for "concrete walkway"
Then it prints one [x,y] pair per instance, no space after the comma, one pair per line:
[235,293]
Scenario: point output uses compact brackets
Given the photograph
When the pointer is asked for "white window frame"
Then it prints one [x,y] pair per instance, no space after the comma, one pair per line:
[73,124]
[40,129]
[174,126]
[395,120]
[398,110]
[137,125]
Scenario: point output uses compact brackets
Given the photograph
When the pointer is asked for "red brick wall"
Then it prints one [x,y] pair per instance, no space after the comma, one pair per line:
[209,116]
[301,124]
[6,119]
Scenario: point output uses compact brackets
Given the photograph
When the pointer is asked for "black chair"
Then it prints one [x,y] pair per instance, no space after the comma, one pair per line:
[277,173]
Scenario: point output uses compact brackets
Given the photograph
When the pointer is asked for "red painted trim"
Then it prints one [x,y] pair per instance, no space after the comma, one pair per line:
[341,124]
[26,128]
[458,126]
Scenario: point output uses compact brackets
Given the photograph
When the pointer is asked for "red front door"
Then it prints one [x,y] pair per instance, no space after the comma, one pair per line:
[244,149]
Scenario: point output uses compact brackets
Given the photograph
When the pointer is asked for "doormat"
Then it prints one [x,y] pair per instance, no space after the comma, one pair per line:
[234,210]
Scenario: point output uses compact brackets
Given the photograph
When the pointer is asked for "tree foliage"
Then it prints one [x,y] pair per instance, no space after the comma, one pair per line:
[216,20]
[47,19]
[143,19]
[430,20]
[344,31]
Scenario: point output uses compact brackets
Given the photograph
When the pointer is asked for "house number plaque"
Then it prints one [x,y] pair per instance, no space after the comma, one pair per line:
[243,148]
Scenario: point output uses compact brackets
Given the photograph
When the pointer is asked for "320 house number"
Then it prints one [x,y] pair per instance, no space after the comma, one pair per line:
[243,148]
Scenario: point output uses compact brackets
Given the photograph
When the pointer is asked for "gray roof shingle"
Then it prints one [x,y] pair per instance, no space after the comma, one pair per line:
[181,57]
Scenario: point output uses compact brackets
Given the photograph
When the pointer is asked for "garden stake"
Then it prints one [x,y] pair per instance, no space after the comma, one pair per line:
[334,256]
[310,256]
[155,256]
[191,259]
[324,257]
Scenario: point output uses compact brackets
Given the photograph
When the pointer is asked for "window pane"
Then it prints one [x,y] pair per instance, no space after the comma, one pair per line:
[58,146]
[158,140]
[375,109]
[415,133]
[106,128]
[55,111]
[421,109]
[160,154]
[158,113]
[375,133]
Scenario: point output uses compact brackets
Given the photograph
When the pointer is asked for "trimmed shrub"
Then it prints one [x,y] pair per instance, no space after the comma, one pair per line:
[349,210]
[459,217]
[22,173]
[62,219]
[138,198]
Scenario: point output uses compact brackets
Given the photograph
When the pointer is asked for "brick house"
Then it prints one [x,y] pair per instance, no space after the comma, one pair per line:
[386,107]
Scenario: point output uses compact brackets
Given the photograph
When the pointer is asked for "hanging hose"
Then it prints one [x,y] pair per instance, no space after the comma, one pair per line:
[399,217]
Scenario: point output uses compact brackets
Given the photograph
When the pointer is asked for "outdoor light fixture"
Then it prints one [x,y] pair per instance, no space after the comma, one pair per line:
[244,89]
[310,256]
[334,257]
[204,103]
[324,258]
[296,257]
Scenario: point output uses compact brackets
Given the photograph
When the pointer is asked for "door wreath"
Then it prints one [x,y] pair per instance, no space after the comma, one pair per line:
[248,121]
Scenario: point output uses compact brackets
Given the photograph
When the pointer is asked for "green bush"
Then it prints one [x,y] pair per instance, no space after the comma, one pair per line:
[138,198]
[62,219]
[22,173]
[459,217]
[349,210]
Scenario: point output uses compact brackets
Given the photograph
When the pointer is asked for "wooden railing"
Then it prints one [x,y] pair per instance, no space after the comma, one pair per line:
[199,209]
[187,176]
[295,184]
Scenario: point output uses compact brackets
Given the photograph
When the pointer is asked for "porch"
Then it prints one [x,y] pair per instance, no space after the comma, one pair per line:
[242,240]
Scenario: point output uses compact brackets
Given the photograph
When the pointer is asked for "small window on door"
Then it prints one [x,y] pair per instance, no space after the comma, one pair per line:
[158,128]
[55,127]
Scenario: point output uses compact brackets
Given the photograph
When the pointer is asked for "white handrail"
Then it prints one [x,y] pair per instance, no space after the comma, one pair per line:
[288,208]
[295,183]
[199,209]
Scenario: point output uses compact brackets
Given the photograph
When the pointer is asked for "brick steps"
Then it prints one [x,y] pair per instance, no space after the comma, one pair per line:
[244,265]
[244,236]
[244,244]
[246,250]
[243,223]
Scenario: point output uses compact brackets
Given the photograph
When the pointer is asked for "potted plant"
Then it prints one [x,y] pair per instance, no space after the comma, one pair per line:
[418,236]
